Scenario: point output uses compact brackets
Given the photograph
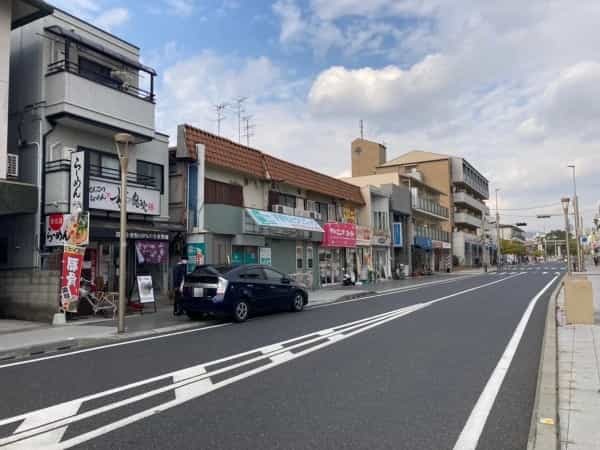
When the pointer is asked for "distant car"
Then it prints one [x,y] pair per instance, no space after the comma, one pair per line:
[239,291]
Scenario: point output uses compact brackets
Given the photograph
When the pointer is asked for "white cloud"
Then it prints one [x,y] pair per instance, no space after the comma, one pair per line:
[292,23]
[112,18]
[512,86]
[181,7]
[95,12]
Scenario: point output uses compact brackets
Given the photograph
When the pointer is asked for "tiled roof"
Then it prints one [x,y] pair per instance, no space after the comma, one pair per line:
[225,153]
[228,154]
[311,180]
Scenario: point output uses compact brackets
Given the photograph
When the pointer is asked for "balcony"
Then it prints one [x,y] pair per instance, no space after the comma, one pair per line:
[143,191]
[434,234]
[71,93]
[429,207]
[467,219]
[466,199]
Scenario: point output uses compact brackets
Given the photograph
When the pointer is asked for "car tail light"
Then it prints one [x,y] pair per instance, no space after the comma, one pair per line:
[222,286]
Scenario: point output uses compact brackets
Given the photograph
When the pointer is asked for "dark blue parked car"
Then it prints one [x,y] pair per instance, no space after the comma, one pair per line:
[238,291]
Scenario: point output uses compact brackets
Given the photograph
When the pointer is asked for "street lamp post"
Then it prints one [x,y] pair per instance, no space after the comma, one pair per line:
[565,204]
[498,241]
[577,226]
[122,143]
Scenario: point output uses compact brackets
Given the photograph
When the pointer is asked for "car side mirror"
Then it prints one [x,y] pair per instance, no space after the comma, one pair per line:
[286,280]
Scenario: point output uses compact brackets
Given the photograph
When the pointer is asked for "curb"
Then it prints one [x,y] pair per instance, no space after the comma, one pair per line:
[85,342]
[544,427]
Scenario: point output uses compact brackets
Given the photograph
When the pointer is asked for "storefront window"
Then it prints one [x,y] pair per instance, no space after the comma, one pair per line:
[244,255]
[299,257]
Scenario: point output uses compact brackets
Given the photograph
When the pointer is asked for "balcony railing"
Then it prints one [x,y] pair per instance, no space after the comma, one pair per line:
[429,206]
[132,177]
[432,233]
[114,83]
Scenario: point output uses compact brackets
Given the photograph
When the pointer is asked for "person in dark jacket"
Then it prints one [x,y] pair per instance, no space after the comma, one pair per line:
[179,273]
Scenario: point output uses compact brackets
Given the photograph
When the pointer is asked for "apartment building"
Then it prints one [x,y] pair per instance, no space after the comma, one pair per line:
[430,227]
[397,235]
[17,197]
[241,205]
[512,233]
[461,190]
[74,87]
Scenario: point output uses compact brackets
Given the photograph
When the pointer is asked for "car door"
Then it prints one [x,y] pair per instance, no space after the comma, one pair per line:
[253,287]
[279,293]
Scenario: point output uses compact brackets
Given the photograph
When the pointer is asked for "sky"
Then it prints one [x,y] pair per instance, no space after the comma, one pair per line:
[512,86]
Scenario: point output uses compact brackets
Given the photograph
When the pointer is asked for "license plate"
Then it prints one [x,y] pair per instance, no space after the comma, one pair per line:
[198,292]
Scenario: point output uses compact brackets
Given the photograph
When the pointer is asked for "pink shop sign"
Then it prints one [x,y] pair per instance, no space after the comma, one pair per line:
[339,235]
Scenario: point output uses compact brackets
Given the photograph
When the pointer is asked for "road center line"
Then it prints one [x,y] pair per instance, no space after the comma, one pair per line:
[469,437]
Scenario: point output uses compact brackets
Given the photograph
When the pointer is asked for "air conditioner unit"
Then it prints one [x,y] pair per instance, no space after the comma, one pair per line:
[124,77]
[416,174]
[13,165]
[288,210]
[277,208]
[315,215]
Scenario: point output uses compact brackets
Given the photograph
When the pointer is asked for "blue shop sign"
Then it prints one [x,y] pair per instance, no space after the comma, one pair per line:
[423,242]
[397,234]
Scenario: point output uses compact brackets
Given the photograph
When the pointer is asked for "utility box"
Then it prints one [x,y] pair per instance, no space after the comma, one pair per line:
[579,301]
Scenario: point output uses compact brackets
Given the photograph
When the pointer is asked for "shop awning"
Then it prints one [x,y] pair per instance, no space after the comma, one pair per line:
[423,242]
[276,220]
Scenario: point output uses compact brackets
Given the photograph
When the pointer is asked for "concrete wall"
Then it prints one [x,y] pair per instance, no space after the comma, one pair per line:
[366,156]
[5,26]
[29,295]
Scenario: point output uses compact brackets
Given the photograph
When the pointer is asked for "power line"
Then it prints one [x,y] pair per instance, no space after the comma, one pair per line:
[528,208]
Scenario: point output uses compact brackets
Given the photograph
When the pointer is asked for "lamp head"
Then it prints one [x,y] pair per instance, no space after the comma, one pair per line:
[565,203]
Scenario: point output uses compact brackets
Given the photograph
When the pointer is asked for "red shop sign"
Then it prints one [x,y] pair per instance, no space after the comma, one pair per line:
[339,235]
[72,262]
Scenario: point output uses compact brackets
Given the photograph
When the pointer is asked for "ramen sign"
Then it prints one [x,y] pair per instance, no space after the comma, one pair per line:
[67,229]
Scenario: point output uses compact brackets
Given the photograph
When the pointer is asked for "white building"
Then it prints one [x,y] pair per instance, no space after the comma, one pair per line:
[74,86]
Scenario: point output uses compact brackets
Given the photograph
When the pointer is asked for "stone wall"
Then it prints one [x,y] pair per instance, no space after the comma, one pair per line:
[29,294]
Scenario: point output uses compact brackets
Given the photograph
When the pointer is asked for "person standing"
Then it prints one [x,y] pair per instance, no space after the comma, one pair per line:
[179,273]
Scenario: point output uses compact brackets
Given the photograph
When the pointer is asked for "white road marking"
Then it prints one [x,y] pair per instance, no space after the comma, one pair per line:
[196,330]
[195,381]
[116,344]
[469,437]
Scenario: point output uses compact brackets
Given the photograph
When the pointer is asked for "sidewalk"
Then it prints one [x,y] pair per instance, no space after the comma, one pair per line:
[22,339]
[579,376]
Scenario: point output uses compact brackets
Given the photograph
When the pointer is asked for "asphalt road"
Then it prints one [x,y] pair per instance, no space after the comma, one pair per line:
[403,370]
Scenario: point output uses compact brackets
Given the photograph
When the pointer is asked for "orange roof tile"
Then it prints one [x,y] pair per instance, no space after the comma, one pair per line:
[231,155]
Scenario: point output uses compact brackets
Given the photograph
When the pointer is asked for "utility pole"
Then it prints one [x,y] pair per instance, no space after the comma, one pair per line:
[248,129]
[220,109]
[498,240]
[362,129]
[239,109]
[577,224]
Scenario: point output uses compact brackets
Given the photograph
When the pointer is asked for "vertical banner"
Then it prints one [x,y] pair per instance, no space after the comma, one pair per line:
[76,194]
[196,253]
[72,263]
[397,234]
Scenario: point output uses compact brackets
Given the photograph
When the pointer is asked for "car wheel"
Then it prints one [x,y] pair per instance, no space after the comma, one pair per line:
[298,302]
[241,311]
[195,315]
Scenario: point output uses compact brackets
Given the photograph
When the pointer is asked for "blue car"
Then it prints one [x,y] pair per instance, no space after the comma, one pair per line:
[240,290]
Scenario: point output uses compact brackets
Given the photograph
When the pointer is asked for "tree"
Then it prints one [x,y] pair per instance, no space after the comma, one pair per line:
[559,235]
[513,248]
